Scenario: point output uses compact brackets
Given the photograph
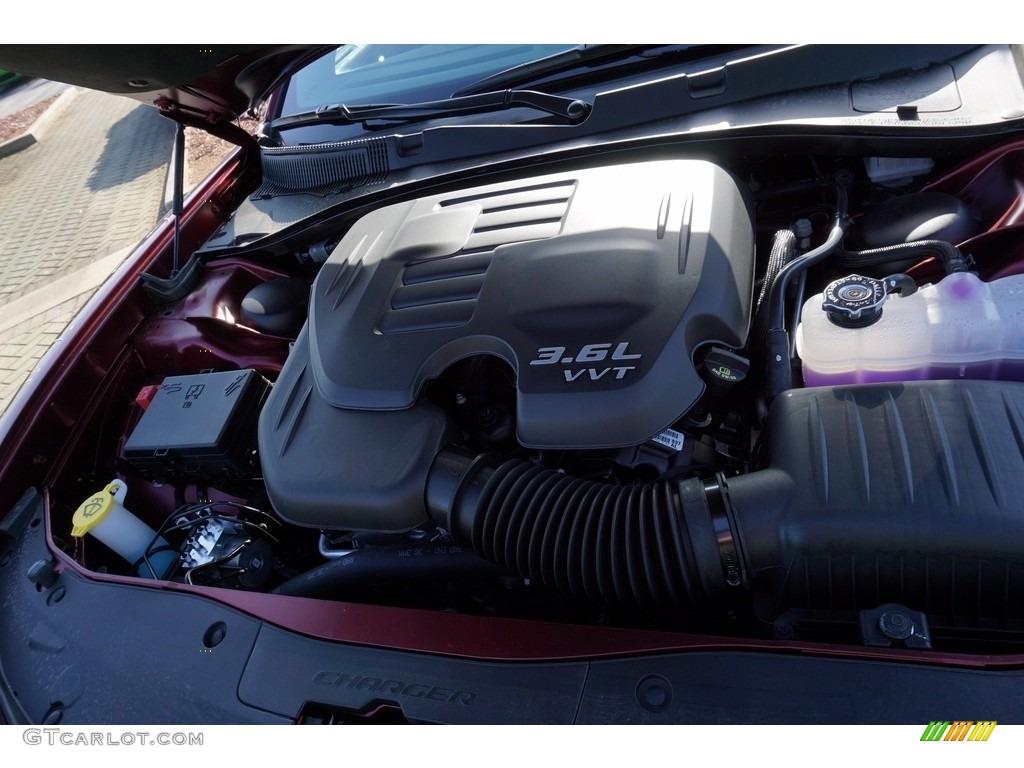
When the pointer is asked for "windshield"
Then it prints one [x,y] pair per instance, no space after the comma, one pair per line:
[383,74]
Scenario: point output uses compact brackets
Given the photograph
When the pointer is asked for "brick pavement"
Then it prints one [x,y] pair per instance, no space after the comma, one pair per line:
[24,344]
[93,187]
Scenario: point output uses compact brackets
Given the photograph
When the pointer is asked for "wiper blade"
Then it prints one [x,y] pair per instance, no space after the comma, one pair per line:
[561,106]
[548,65]
[591,55]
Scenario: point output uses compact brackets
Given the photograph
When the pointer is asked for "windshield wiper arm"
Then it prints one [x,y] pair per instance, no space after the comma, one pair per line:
[530,70]
[572,109]
[592,57]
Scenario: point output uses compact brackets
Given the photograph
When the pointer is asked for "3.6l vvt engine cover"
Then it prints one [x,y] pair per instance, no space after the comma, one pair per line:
[596,286]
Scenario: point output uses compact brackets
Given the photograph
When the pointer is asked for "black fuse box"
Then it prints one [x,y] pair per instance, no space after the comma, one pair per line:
[200,427]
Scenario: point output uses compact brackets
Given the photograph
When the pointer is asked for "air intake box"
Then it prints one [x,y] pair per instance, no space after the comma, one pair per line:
[902,493]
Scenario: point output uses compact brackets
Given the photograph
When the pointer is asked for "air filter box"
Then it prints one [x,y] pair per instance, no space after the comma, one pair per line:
[200,427]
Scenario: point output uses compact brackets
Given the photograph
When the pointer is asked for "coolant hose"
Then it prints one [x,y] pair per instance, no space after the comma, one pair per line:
[778,374]
[952,260]
[664,543]
[783,251]
[374,564]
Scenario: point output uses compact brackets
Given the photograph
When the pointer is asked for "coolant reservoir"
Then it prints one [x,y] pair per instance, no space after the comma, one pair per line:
[958,328]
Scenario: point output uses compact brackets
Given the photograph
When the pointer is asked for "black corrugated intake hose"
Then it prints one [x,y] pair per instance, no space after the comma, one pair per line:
[663,543]
[949,254]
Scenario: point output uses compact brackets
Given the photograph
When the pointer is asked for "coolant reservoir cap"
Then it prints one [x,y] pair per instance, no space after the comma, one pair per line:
[854,301]
[92,511]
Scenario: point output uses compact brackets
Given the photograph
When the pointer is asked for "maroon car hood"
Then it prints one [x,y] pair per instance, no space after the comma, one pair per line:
[212,82]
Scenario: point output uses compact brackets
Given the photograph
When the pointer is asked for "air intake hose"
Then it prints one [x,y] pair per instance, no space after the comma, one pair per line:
[848,514]
[664,543]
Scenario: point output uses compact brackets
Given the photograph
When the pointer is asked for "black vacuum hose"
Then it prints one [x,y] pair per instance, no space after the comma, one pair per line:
[949,254]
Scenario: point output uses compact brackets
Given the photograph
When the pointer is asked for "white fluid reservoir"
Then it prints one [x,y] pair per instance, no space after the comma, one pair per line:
[958,328]
[104,516]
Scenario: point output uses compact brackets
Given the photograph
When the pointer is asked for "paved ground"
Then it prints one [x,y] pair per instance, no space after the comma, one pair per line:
[26,93]
[91,189]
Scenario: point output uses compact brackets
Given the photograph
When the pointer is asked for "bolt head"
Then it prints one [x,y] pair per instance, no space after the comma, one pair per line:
[896,625]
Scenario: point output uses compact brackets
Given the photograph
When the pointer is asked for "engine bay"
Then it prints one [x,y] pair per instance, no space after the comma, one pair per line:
[752,396]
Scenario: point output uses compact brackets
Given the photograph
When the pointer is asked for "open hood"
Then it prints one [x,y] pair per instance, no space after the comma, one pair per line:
[214,83]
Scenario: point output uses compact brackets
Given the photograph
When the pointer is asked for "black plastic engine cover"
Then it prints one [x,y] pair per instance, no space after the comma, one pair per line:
[596,286]
[327,467]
